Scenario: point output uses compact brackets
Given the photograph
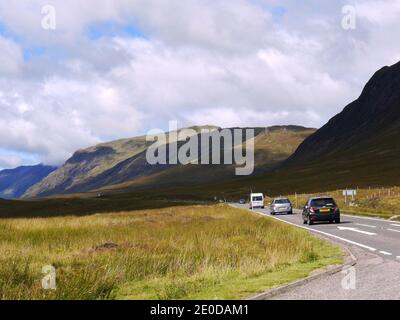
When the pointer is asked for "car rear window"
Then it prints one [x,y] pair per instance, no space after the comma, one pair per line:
[282,201]
[257,198]
[325,202]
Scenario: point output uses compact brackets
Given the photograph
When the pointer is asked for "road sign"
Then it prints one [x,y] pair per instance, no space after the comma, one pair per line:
[349,192]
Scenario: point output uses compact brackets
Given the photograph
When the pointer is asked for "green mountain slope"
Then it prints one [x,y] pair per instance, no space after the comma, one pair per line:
[123,164]
[272,146]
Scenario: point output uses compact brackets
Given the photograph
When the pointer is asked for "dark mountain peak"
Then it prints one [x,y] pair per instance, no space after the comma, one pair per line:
[376,111]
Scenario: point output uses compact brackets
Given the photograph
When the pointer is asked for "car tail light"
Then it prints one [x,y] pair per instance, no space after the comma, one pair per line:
[312,209]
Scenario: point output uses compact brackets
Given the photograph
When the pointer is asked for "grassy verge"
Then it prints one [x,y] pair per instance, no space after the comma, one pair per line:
[187,252]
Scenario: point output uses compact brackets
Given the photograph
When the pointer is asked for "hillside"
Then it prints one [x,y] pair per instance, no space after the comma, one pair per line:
[15,182]
[123,163]
[97,166]
[87,163]
[376,113]
[272,146]
[359,146]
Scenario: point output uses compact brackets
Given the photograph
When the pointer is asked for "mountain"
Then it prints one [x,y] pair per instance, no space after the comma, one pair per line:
[15,182]
[272,146]
[122,164]
[80,172]
[358,147]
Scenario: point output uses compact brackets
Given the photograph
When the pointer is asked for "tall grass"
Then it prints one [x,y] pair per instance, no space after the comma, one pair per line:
[168,253]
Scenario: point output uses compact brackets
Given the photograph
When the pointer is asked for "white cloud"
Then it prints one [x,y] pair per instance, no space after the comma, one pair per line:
[10,57]
[10,161]
[223,62]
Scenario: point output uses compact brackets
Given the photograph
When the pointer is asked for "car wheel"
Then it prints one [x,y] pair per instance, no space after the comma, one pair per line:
[262,207]
[330,221]
[304,221]
[290,212]
[309,222]
[337,221]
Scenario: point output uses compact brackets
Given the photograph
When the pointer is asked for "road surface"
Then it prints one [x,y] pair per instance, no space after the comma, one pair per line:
[376,245]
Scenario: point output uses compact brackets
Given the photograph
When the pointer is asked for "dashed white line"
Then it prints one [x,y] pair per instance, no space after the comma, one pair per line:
[365,225]
[393,230]
[357,230]
[395,225]
[333,236]
[321,232]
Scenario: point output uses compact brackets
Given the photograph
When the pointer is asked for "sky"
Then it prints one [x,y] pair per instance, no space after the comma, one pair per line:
[97,70]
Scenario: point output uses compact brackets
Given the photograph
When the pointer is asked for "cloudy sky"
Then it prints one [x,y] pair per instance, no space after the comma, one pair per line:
[117,68]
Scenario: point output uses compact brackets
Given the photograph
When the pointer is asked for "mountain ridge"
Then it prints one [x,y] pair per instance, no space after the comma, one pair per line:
[15,182]
[124,160]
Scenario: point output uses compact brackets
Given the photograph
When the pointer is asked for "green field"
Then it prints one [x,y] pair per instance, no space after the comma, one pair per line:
[177,252]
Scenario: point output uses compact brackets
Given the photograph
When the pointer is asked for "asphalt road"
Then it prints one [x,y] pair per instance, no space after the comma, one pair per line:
[374,242]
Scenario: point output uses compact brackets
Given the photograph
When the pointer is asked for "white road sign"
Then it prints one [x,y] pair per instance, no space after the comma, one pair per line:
[349,192]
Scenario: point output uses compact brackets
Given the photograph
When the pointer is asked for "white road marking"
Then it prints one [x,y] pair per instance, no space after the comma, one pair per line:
[357,230]
[321,232]
[398,257]
[366,218]
[385,253]
[365,225]
[395,225]
[393,230]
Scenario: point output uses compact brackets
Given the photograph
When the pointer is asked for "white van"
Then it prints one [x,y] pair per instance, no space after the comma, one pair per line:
[256,200]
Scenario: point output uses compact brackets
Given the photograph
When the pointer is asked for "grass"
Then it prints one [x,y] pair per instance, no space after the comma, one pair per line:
[372,202]
[185,252]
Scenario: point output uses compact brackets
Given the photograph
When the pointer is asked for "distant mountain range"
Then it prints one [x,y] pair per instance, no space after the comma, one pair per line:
[358,147]
[15,182]
[123,164]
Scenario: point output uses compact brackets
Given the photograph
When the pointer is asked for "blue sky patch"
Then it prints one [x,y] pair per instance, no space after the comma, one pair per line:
[32,52]
[112,29]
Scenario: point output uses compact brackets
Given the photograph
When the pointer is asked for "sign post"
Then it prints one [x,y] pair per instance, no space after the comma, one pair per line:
[347,193]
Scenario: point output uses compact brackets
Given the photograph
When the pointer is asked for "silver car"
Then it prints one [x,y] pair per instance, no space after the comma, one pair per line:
[281,205]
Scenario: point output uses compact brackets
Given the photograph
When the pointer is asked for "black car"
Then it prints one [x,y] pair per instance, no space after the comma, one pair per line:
[321,209]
